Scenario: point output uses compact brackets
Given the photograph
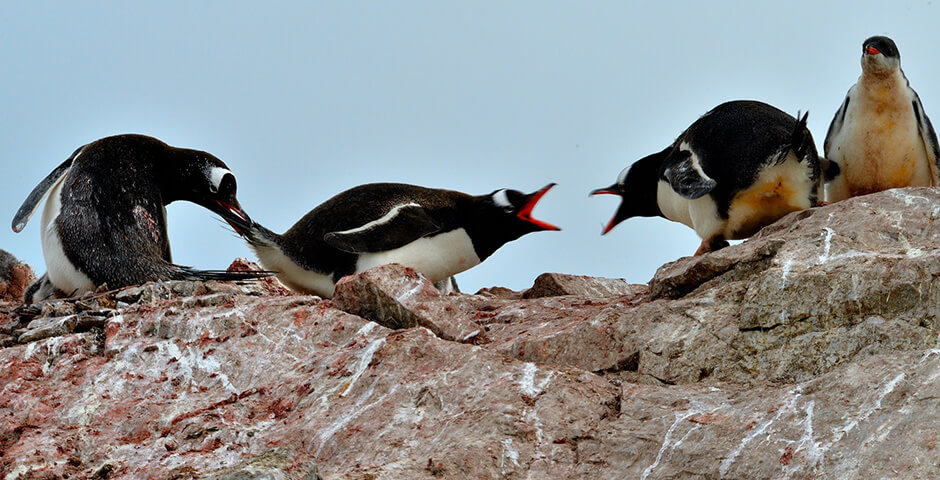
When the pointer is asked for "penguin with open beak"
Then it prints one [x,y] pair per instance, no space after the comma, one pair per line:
[738,168]
[439,233]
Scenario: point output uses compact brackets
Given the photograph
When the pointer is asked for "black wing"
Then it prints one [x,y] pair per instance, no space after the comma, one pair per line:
[687,178]
[402,225]
[28,208]
[836,125]
[929,136]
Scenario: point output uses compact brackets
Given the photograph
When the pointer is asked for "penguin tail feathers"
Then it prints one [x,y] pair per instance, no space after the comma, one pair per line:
[801,140]
[223,275]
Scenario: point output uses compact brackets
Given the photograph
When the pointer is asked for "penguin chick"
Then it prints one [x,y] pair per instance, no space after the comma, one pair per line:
[880,137]
[437,232]
[739,167]
[104,220]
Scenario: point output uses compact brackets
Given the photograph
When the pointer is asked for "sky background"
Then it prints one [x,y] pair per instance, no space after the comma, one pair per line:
[303,100]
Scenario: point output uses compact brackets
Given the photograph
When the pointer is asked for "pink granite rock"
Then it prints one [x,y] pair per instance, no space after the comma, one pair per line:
[808,351]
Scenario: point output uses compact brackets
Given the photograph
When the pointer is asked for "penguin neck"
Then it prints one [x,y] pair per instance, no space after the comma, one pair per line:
[875,79]
[486,225]
[882,87]
[643,179]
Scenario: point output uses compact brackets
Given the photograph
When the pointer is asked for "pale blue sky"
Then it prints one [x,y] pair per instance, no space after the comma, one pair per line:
[304,100]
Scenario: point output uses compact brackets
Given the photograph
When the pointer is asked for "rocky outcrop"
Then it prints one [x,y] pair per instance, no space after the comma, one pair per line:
[15,276]
[808,351]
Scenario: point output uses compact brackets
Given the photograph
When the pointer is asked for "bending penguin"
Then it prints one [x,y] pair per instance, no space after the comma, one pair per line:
[880,137]
[439,233]
[104,220]
[739,167]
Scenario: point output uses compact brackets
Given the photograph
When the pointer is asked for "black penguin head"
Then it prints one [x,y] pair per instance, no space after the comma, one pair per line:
[514,209]
[207,181]
[880,54]
[636,185]
[503,216]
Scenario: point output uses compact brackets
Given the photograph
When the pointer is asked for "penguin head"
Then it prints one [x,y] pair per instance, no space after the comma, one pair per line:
[636,185]
[513,210]
[503,216]
[208,182]
[880,54]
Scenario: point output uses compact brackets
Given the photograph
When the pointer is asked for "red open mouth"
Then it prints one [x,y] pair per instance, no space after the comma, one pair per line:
[613,220]
[234,216]
[526,212]
[870,50]
[604,191]
[610,225]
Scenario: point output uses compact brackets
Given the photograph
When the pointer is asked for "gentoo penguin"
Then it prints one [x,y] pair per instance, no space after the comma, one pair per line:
[880,137]
[739,167]
[439,233]
[104,220]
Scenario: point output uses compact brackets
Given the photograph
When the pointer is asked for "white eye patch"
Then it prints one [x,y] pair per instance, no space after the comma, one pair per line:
[500,199]
[622,178]
[216,174]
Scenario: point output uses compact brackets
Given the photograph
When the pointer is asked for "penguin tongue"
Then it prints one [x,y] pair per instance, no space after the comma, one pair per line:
[235,217]
[526,212]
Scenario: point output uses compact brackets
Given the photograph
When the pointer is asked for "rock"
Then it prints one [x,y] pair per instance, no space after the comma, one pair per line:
[193,391]
[809,292]
[398,297]
[15,276]
[558,284]
[873,419]
[808,351]
[56,326]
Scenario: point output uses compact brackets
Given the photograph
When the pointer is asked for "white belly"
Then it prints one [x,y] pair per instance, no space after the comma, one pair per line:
[777,191]
[437,257]
[292,275]
[879,146]
[700,214]
[59,269]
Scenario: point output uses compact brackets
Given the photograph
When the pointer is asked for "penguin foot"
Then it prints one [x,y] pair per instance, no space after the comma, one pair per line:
[711,244]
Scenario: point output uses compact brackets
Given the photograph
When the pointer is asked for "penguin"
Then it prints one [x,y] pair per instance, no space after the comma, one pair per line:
[104,220]
[880,137]
[739,167]
[437,232]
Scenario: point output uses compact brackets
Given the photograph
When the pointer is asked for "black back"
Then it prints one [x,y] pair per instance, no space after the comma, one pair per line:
[112,224]
[735,140]
[304,242]
[312,243]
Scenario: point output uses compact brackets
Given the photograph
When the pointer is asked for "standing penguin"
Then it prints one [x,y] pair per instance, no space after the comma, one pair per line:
[104,220]
[439,233]
[880,137]
[739,167]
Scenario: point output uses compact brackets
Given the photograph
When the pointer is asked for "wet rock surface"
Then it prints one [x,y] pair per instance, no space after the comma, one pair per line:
[808,351]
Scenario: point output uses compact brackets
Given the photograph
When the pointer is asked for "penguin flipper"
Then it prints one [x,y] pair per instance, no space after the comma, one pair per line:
[402,225]
[28,208]
[687,177]
[927,133]
[189,273]
[835,127]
